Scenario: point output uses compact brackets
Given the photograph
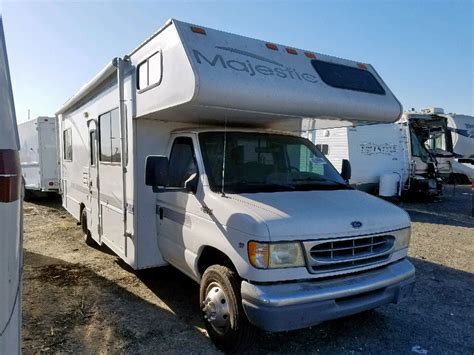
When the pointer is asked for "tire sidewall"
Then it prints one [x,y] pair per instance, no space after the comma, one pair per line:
[236,335]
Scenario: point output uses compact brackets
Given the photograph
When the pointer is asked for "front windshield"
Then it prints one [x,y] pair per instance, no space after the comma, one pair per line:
[261,162]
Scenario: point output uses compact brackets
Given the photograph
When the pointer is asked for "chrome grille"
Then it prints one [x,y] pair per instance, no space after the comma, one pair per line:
[346,253]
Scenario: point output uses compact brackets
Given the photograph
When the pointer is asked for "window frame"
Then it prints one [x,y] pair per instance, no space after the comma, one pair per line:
[379,89]
[195,160]
[148,86]
[108,162]
[67,131]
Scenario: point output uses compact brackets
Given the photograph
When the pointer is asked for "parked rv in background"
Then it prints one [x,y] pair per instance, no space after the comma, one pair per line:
[462,135]
[449,138]
[11,229]
[430,128]
[389,160]
[241,204]
[39,155]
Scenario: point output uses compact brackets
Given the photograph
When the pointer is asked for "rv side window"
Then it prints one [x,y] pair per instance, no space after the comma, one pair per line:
[109,133]
[182,163]
[149,72]
[92,136]
[67,144]
[346,77]
[323,148]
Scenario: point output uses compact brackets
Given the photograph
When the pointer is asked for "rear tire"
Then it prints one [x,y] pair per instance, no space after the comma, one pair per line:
[223,314]
[85,231]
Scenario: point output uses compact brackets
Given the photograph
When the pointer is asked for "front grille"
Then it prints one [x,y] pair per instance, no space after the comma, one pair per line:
[347,253]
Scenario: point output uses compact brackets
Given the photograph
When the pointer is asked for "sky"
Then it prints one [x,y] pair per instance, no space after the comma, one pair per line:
[422,49]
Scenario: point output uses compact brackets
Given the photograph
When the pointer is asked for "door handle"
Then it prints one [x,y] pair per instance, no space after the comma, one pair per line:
[161,212]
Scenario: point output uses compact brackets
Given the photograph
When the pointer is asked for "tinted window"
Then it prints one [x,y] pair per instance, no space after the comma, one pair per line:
[260,162]
[345,77]
[109,147]
[67,144]
[182,164]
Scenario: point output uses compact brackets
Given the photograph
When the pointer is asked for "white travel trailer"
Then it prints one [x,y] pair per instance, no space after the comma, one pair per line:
[11,246]
[379,155]
[39,156]
[409,156]
[187,152]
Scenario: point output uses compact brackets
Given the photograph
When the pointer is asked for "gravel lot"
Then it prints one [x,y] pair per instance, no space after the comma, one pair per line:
[82,299]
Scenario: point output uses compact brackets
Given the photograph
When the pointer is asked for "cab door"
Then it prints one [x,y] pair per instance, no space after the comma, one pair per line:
[179,211]
[93,216]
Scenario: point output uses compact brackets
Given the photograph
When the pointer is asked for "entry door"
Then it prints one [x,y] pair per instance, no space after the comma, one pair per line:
[179,211]
[94,217]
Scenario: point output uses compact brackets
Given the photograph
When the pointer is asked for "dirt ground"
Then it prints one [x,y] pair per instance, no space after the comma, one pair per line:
[82,299]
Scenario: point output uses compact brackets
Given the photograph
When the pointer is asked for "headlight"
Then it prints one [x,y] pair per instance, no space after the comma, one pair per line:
[275,255]
[402,238]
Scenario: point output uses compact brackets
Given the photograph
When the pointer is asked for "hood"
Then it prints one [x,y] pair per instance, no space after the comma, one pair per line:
[315,214]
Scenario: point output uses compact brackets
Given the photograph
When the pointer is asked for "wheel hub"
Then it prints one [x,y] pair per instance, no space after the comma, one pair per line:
[215,308]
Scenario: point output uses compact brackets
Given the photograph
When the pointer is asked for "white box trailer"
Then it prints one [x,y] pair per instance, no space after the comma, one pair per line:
[39,155]
[232,195]
[11,228]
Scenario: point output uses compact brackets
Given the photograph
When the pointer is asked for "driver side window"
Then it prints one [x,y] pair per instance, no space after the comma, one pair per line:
[182,163]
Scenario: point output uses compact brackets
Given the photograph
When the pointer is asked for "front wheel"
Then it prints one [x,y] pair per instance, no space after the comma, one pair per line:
[221,304]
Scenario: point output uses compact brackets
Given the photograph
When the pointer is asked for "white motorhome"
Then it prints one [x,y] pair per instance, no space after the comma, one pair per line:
[461,128]
[39,156]
[187,152]
[11,247]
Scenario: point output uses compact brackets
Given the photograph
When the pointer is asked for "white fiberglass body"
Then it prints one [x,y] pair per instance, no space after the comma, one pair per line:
[183,93]
[10,214]
[39,154]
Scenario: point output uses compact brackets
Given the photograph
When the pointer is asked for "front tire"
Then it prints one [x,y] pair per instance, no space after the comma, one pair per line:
[223,314]
[85,231]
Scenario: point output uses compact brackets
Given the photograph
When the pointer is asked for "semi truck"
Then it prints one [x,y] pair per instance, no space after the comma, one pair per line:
[187,152]
[39,156]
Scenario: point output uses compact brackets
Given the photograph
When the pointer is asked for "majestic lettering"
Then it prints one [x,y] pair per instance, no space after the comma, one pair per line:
[252,70]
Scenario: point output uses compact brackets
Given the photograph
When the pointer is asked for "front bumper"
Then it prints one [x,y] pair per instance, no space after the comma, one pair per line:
[288,306]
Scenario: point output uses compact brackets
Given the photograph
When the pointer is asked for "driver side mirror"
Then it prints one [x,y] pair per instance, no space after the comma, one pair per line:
[346,170]
[156,171]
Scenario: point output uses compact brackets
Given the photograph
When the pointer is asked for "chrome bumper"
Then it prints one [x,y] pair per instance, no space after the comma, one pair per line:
[287,306]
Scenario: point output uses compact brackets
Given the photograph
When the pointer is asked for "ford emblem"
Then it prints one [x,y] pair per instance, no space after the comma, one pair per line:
[356,224]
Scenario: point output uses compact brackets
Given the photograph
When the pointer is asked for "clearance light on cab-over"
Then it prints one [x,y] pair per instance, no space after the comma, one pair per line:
[198,30]
[291,51]
[310,55]
[271,46]
[362,66]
